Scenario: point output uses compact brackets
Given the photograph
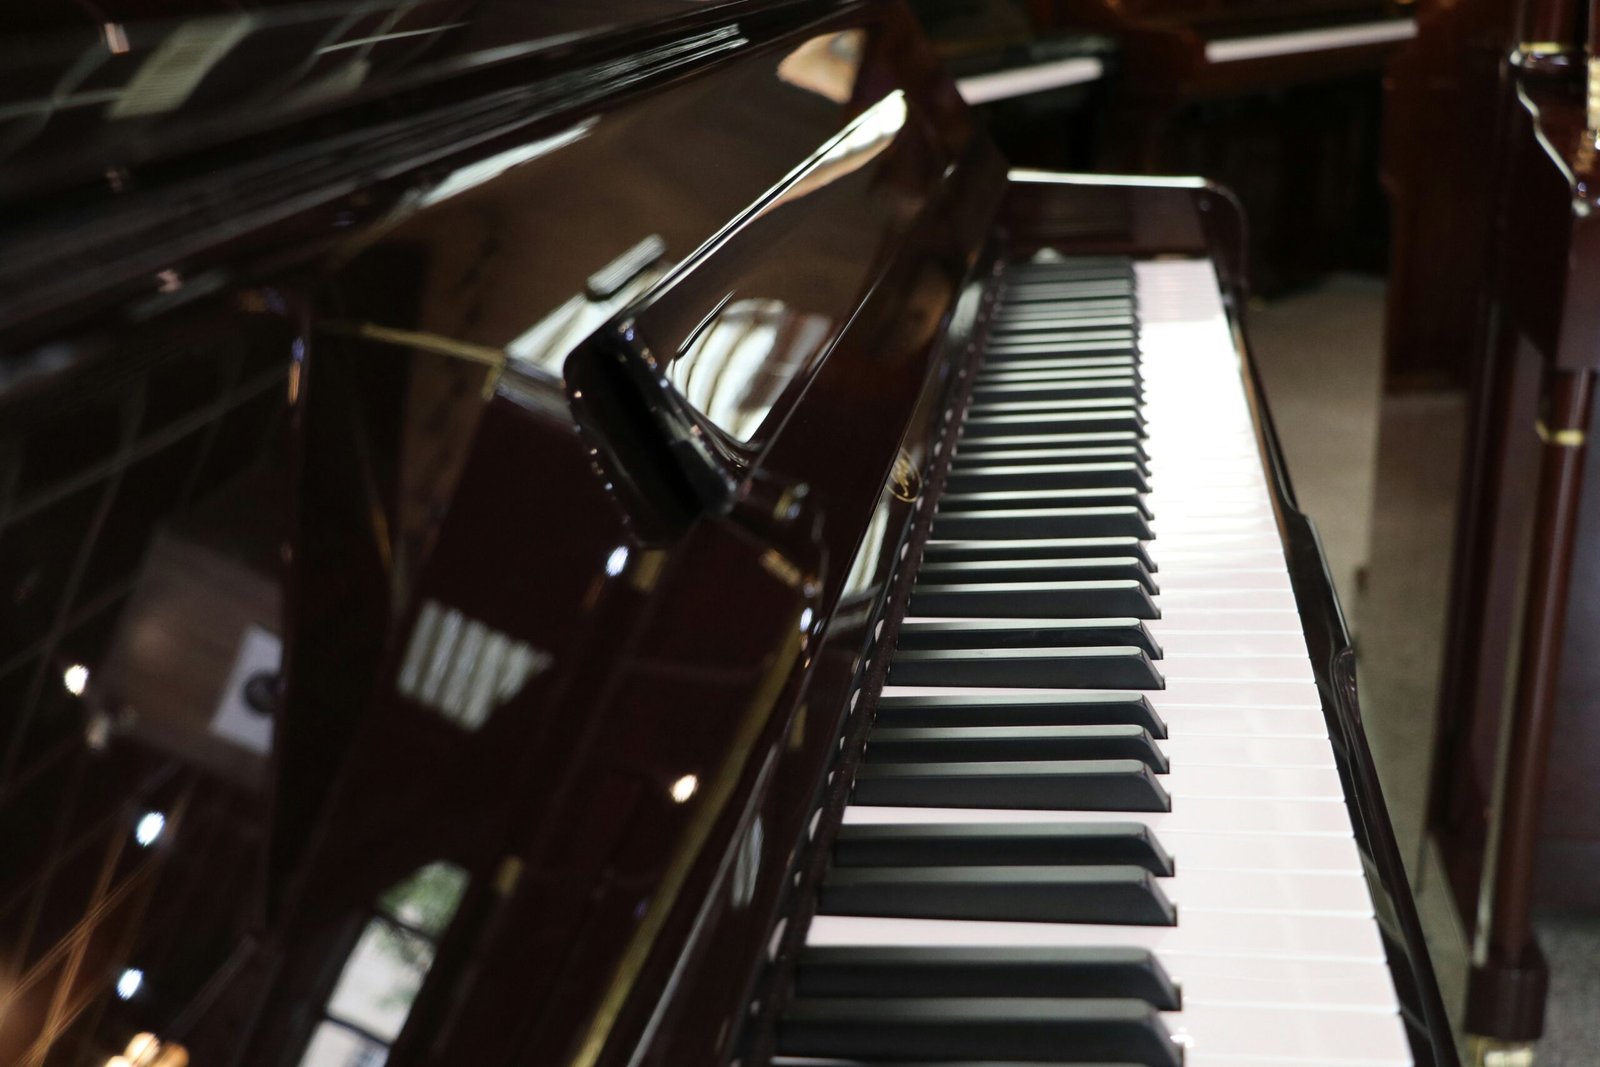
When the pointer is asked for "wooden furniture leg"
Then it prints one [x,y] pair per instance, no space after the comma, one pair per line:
[1509,979]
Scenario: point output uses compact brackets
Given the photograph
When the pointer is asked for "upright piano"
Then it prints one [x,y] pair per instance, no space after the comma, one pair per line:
[621,533]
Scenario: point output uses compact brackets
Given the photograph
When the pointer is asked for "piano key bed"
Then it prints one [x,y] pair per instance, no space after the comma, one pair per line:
[1098,818]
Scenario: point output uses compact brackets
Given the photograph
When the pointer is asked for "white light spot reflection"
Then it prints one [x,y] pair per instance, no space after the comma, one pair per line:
[617,561]
[76,679]
[684,788]
[149,828]
[128,983]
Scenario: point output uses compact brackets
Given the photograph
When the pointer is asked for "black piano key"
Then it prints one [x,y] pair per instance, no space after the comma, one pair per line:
[1126,362]
[1070,271]
[1041,600]
[1042,496]
[1101,329]
[1052,322]
[1015,354]
[987,408]
[1003,447]
[998,378]
[1124,388]
[979,460]
[1067,569]
[1002,350]
[1128,1033]
[993,744]
[919,634]
[1020,971]
[1107,667]
[995,499]
[1030,423]
[1034,523]
[1059,332]
[1039,548]
[1045,316]
[1119,844]
[1042,785]
[1123,896]
[1065,288]
[1120,384]
[1023,709]
[1062,292]
[973,477]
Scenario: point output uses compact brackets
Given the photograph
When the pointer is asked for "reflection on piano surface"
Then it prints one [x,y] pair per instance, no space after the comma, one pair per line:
[623,534]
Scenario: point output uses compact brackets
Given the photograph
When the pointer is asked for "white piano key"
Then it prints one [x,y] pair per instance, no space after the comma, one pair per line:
[1347,985]
[1282,752]
[1231,620]
[1265,598]
[1230,851]
[1180,666]
[1191,580]
[1262,892]
[1202,692]
[1185,782]
[1177,641]
[1182,526]
[1198,933]
[1290,1036]
[1321,818]
[1200,543]
[1224,721]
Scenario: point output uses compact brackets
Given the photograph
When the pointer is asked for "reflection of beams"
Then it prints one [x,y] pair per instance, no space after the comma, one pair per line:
[865,564]
[741,363]
[827,65]
[547,342]
[64,1008]
[472,175]
[851,149]
[360,42]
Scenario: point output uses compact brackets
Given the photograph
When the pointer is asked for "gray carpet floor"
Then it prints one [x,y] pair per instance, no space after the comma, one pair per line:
[1378,475]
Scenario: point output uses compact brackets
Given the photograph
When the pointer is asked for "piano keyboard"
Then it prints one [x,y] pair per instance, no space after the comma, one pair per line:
[1098,818]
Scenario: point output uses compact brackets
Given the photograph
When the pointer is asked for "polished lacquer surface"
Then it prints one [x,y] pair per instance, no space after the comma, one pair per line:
[442,527]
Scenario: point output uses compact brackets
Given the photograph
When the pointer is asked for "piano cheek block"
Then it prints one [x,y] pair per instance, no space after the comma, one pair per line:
[1088,785]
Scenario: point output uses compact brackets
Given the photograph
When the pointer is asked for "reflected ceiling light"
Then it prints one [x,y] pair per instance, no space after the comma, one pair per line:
[475,174]
[76,679]
[806,616]
[149,827]
[685,787]
[617,561]
[128,983]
